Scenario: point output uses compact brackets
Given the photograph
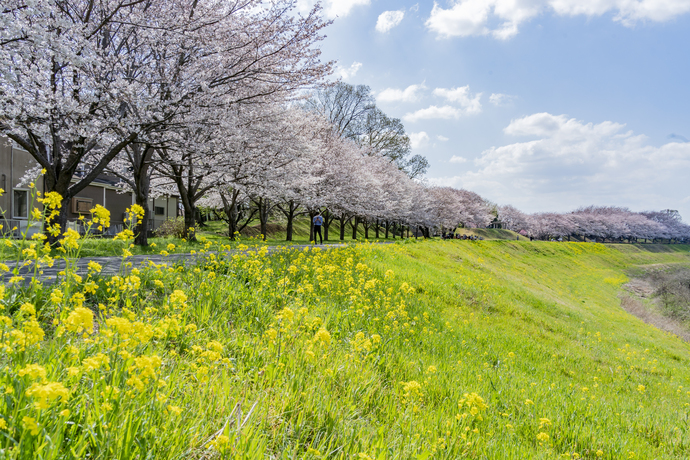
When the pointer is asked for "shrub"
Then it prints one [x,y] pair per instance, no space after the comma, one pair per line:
[171,227]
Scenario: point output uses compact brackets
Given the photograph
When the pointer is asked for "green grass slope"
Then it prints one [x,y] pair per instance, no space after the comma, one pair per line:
[414,350]
[537,331]
[491,233]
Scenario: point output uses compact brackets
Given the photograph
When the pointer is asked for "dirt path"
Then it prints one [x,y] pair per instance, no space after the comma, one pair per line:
[640,297]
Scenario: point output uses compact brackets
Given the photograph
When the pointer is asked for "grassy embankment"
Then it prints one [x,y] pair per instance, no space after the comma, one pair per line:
[490,349]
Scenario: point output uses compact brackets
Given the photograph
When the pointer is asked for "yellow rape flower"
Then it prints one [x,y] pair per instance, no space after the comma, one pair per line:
[220,443]
[29,424]
[146,365]
[51,200]
[124,235]
[136,210]
[322,335]
[56,296]
[28,308]
[94,267]
[78,299]
[33,331]
[412,390]
[178,297]
[80,319]
[215,346]
[272,334]
[69,239]
[34,371]
[101,216]
[46,393]
[96,362]
[73,371]
[122,325]
[90,287]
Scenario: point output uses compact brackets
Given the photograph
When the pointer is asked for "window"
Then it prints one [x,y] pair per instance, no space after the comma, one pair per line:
[20,203]
[159,210]
[81,205]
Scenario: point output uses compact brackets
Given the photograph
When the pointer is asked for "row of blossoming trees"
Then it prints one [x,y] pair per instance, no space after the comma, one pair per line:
[224,104]
[599,223]
[220,102]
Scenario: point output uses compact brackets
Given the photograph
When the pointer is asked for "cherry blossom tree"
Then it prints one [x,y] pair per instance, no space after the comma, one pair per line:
[82,80]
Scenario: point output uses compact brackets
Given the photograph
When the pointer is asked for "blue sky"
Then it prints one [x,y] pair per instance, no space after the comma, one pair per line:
[544,104]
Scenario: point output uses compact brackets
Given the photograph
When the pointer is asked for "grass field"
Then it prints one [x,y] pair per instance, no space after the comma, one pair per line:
[416,350]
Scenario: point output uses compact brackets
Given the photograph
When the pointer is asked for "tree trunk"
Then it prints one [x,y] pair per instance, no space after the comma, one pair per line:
[328,219]
[142,228]
[190,223]
[188,196]
[354,223]
[377,228]
[290,211]
[232,213]
[343,222]
[288,230]
[366,224]
[387,227]
[264,210]
[312,236]
[140,159]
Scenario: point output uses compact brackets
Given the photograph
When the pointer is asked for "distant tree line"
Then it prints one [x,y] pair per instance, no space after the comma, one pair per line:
[599,223]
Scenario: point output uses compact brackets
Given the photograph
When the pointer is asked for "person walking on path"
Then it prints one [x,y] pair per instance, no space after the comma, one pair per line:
[318,222]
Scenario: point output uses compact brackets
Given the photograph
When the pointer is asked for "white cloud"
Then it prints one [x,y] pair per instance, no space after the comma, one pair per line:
[499,99]
[414,8]
[418,140]
[452,181]
[409,94]
[572,163]
[561,127]
[469,102]
[475,17]
[389,19]
[457,159]
[446,112]
[347,73]
[442,138]
[332,8]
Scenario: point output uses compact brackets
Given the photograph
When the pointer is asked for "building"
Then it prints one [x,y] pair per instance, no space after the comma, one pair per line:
[16,203]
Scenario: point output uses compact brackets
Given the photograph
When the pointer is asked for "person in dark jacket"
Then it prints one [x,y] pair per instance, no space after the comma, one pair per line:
[318,222]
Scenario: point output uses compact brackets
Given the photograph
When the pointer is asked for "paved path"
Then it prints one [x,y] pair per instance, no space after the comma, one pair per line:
[113,265]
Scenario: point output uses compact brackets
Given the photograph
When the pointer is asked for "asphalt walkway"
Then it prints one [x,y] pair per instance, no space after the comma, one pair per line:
[113,265]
